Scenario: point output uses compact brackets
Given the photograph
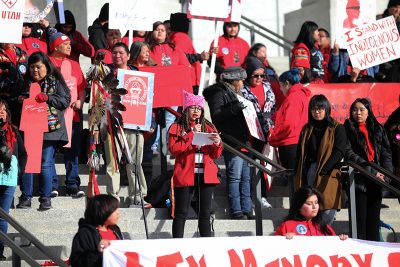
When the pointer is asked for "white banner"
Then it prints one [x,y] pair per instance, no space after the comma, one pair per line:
[374,43]
[12,16]
[250,115]
[352,13]
[209,8]
[131,14]
[269,251]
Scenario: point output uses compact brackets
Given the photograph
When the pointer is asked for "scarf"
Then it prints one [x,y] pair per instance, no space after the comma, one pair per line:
[48,87]
[9,135]
[370,149]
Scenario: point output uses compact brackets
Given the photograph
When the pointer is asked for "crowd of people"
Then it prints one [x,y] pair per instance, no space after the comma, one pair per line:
[299,125]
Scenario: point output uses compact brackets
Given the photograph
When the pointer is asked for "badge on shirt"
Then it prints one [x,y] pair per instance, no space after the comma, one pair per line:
[35,45]
[22,69]
[301,229]
[225,50]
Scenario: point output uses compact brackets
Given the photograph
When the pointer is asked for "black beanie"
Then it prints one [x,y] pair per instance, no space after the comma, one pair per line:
[179,22]
[103,16]
[251,64]
[393,3]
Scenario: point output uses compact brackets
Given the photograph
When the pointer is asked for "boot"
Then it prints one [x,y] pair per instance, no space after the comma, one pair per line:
[2,258]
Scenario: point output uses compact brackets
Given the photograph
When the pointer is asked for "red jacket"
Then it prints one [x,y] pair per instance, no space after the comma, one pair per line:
[184,152]
[183,42]
[176,55]
[80,45]
[291,117]
[301,228]
[231,51]
[31,45]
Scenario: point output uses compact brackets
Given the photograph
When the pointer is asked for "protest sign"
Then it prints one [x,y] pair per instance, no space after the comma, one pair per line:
[12,16]
[131,14]
[139,99]
[269,251]
[351,14]
[384,97]
[250,115]
[374,43]
[209,9]
[169,82]
[34,123]
[35,10]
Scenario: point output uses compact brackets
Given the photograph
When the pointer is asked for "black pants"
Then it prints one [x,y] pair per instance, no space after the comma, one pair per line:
[368,210]
[183,197]
[287,156]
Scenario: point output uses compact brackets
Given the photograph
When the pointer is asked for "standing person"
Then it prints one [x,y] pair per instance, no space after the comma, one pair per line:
[12,162]
[112,37]
[60,49]
[290,119]
[324,44]
[194,168]
[30,43]
[305,53]
[368,142]
[232,49]
[56,95]
[305,216]
[226,113]
[79,44]
[321,147]
[99,28]
[392,126]
[96,230]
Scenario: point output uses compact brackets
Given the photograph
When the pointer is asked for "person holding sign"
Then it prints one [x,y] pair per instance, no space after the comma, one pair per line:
[226,113]
[367,142]
[56,95]
[194,168]
[12,163]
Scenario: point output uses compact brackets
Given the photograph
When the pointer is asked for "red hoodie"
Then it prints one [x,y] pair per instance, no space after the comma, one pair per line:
[80,45]
[291,117]
[231,51]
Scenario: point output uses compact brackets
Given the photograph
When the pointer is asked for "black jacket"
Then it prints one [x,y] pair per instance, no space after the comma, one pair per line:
[356,149]
[220,101]
[84,252]
[97,35]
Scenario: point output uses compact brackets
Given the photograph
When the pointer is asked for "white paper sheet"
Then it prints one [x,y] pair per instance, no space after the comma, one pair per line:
[202,139]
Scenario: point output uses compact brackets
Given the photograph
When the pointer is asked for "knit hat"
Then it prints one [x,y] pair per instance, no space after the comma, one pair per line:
[56,39]
[179,22]
[252,64]
[233,74]
[103,16]
[393,3]
[192,100]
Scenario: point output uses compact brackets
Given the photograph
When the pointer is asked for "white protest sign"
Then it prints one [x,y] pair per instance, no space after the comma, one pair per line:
[374,43]
[236,11]
[270,251]
[350,14]
[209,9]
[12,16]
[131,14]
[251,118]
[35,10]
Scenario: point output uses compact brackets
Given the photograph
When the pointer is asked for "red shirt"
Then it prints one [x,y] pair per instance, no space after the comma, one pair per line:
[31,45]
[301,228]
[259,92]
[231,51]
[80,45]
[109,234]
[164,55]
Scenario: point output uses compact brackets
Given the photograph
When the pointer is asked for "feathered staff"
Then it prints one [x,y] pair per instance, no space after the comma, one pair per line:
[104,117]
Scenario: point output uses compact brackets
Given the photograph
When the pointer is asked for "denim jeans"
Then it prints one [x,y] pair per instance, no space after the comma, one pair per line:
[147,152]
[238,183]
[71,158]
[47,173]
[6,198]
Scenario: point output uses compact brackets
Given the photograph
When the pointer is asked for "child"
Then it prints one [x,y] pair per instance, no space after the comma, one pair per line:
[194,166]
[96,231]
[304,217]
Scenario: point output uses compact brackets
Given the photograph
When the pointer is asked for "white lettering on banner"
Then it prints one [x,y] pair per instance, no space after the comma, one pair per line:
[374,43]
[131,14]
[268,251]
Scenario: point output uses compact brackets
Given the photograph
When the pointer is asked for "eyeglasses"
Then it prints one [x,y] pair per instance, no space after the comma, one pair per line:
[317,109]
[195,108]
[258,76]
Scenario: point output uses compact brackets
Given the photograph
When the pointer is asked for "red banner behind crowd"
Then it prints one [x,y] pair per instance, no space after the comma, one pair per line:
[384,97]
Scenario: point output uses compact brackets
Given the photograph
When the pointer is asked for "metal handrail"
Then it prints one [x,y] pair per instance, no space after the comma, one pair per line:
[26,234]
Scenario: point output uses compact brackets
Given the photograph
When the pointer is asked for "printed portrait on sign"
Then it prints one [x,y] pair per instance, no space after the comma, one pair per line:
[36,10]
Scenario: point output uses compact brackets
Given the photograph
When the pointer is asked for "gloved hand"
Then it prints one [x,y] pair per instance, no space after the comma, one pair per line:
[237,107]
[41,97]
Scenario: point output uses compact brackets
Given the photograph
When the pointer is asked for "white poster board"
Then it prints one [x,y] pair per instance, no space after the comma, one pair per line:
[352,13]
[131,14]
[373,43]
[250,115]
[12,16]
[209,9]
[269,251]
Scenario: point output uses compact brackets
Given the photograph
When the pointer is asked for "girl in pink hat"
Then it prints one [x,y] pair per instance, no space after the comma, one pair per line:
[195,170]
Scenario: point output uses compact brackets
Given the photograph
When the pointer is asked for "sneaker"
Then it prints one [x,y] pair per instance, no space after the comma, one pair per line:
[238,216]
[24,203]
[249,215]
[75,192]
[265,204]
[54,193]
[138,204]
[45,205]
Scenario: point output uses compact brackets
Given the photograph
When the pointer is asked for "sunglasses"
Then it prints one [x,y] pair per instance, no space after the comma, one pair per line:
[258,76]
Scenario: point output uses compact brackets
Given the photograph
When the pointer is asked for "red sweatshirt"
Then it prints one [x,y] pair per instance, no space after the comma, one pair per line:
[177,57]
[301,228]
[231,51]
[31,45]
[80,45]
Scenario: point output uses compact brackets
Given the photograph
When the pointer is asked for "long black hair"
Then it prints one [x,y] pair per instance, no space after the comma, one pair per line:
[184,122]
[5,152]
[298,200]
[320,101]
[99,208]
[306,34]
